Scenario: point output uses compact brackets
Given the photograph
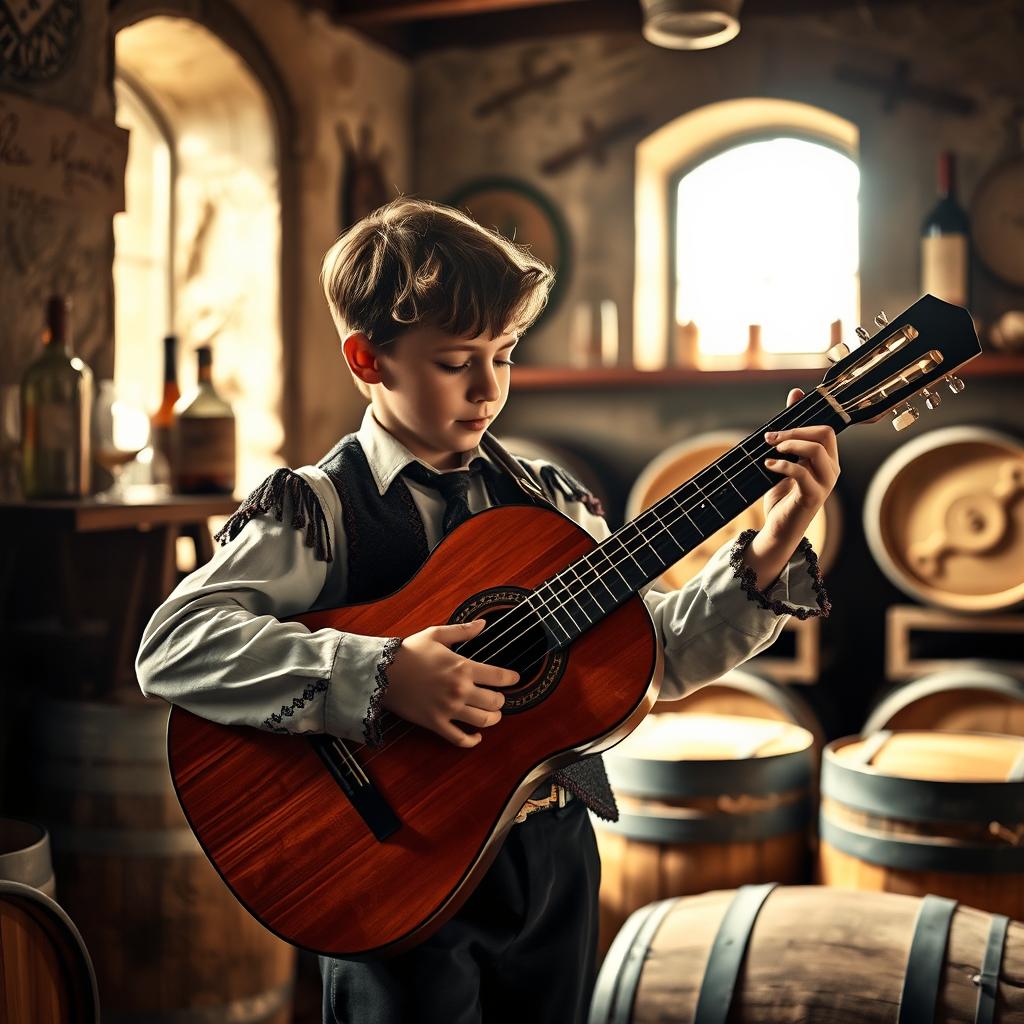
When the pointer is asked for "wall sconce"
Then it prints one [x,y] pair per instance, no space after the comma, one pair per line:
[691,24]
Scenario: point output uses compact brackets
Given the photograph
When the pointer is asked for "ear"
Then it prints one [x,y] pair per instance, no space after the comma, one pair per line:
[361,358]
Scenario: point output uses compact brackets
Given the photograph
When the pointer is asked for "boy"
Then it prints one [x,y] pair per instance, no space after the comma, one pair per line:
[429,307]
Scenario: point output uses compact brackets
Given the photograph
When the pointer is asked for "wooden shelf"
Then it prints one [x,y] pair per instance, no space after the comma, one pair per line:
[568,378]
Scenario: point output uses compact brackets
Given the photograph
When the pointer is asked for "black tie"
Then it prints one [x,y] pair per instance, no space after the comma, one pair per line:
[453,487]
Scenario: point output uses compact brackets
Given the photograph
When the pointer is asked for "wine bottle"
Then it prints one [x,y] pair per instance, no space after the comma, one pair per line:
[944,241]
[162,421]
[56,408]
[204,437]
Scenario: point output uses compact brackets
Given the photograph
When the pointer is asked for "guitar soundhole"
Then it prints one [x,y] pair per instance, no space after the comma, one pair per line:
[513,638]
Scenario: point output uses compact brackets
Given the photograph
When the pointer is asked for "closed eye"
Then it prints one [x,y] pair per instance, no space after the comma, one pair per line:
[465,366]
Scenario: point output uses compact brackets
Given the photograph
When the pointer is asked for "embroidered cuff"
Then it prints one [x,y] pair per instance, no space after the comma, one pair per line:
[275,721]
[372,730]
[777,597]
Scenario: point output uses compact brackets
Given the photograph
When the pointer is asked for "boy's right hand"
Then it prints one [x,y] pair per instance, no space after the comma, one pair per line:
[431,685]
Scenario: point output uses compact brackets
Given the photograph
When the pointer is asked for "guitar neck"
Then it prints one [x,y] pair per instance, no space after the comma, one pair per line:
[578,597]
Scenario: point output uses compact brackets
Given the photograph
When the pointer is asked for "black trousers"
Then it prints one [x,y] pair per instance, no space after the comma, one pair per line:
[522,949]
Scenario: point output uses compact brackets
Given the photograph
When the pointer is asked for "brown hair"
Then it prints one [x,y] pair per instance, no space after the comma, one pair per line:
[416,262]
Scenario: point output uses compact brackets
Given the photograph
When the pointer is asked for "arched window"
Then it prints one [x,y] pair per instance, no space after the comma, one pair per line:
[746,213]
[143,244]
[766,234]
[198,250]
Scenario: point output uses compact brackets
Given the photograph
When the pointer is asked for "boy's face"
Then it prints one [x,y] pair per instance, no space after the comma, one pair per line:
[438,393]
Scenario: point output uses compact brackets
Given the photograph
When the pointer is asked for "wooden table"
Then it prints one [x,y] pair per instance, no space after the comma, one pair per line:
[79,580]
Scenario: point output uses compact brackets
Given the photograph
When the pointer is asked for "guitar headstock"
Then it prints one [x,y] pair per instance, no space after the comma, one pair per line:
[913,354]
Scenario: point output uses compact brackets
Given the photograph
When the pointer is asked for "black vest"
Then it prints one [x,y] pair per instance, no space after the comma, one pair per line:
[387,544]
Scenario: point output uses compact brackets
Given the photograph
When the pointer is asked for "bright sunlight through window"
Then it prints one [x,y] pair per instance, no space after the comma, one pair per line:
[766,233]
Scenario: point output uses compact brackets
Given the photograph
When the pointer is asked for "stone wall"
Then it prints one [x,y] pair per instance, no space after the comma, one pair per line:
[56,54]
[617,80]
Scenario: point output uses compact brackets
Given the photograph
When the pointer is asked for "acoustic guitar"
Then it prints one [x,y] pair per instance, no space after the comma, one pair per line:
[353,851]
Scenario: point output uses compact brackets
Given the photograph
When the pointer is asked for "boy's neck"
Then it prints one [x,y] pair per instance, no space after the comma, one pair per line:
[440,461]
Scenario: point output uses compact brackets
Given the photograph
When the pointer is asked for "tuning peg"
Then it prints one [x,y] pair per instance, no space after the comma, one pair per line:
[881,319]
[863,334]
[837,352]
[932,399]
[904,416]
[956,385]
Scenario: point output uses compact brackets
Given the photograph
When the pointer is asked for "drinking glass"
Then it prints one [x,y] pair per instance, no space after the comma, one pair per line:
[120,430]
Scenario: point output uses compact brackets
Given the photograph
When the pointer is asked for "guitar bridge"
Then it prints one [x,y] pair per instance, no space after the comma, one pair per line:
[353,781]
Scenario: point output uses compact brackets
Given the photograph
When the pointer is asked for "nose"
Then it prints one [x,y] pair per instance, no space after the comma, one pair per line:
[484,385]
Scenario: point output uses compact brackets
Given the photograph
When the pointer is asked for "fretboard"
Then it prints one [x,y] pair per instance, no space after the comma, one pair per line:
[593,586]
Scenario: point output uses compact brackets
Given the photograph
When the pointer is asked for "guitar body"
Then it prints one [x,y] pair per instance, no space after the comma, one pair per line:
[366,851]
[287,839]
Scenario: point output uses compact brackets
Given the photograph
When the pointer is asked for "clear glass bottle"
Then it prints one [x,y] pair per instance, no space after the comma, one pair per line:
[56,409]
[203,437]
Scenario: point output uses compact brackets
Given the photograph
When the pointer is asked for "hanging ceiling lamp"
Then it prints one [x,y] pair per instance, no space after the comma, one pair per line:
[691,24]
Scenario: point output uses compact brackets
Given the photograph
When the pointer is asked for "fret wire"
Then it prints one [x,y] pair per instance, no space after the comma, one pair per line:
[729,480]
[586,587]
[582,592]
[755,462]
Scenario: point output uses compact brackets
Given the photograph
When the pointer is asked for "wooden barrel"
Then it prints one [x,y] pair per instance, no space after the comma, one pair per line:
[678,463]
[705,802]
[926,812]
[741,692]
[168,939]
[971,698]
[46,976]
[767,955]
[944,521]
[25,855]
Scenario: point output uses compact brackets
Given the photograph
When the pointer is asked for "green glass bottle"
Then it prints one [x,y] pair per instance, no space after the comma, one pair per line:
[56,409]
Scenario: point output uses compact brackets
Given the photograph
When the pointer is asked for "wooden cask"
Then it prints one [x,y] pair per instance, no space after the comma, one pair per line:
[46,975]
[767,955]
[926,812]
[705,802]
[169,941]
[969,698]
[943,522]
[25,855]
[745,693]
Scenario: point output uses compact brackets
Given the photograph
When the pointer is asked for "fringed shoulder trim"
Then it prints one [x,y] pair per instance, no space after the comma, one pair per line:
[748,580]
[558,479]
[270,496]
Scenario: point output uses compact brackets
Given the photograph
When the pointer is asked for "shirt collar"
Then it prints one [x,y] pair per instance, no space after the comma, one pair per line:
[387,456]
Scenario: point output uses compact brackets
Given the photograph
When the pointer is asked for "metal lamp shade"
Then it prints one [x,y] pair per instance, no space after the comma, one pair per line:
[691,24]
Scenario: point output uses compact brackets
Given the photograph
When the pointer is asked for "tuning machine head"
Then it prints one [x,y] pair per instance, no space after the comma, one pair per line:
[932,399]
[904,416]
[956,385]
[837,352]
[881,320]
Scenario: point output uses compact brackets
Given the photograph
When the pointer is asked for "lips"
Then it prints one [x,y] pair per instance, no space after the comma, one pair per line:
[478,424]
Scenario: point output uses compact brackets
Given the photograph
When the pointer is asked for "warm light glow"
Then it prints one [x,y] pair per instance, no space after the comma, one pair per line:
[766,233]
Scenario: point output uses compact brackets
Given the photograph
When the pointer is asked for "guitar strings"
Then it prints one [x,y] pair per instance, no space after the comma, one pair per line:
[814,408]
[644,537]
[387,741]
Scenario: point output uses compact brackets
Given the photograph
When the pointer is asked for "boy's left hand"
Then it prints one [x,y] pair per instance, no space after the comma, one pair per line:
[791,504]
